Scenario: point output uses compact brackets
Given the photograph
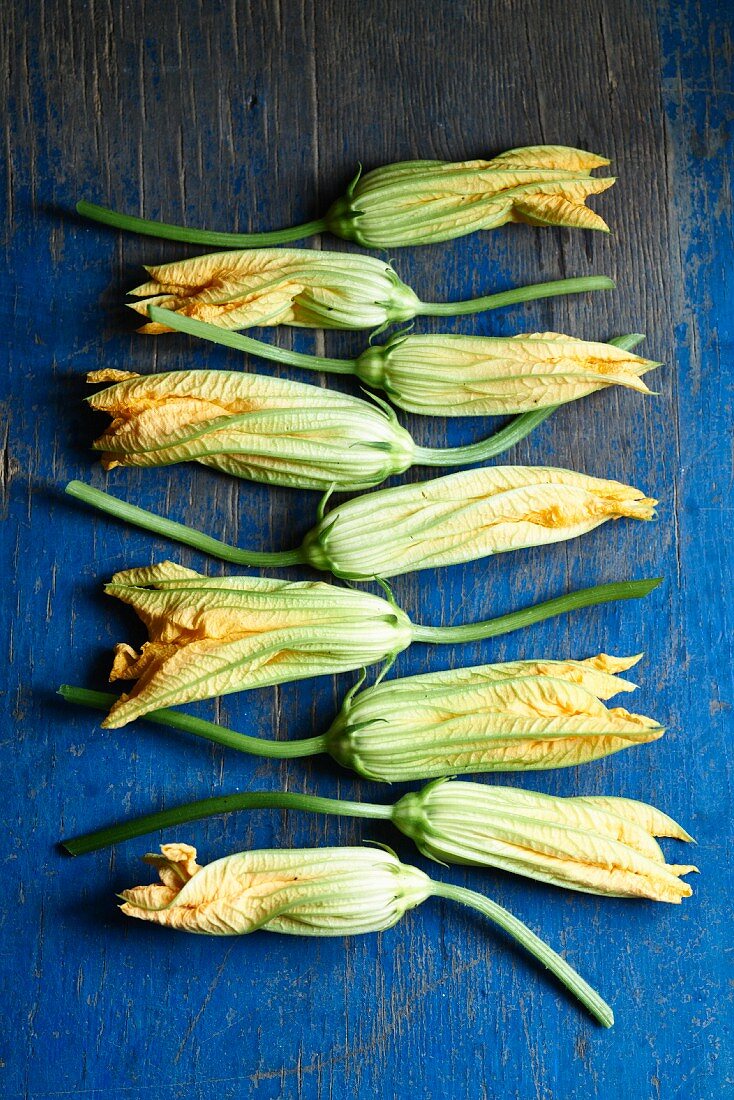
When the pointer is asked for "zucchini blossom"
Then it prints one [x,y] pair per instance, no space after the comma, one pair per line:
[522,716]
[308,288]
[464,516]
[424,201]
[457,518]
[517,716]
[211,636]
[252,426]
[450,375]
[594,844]
[267,429]
[316,892]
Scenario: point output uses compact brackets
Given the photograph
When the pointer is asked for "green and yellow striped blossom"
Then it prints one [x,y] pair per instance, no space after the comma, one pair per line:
[450,375]
[424,201]
[457,518]
[595,844]
[308,288]
[267,429]
[465,516]
[211,636]
[316,892]
[252,426]
[523,716]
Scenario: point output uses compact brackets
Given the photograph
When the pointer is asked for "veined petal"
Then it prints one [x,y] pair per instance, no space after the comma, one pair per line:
[213,636]
[550,156]
[322,892]
[557,209]
[271,286]
[263,428]
[647,817]
[595,674]
[465,516]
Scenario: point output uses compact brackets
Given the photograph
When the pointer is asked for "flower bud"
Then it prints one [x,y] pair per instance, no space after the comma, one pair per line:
[449,375]
[211,636]
[307,892]
[597,846]
[465,516]
[421,202]
[316,892]
[279,286]
[522,716]
[252,426]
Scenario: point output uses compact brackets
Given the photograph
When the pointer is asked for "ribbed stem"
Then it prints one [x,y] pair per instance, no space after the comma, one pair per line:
[200,727]
[197,236]
[149,521]
[236,340]
[516,430]
[520,294]
[224,804]
[516,620]
[565,973]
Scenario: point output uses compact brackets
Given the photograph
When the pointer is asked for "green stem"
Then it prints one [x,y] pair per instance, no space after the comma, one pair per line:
[516,620]
[519,294]
[197,236]
[149,521]
[200,727]
[224,804]
[628,342]
[236,340]
[501,441]
[518,428]
[565,973]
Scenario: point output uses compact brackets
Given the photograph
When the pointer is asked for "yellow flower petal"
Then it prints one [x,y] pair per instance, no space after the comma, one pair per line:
[211,636]
[465,516]
[266,429]
[273,286]
[317,891]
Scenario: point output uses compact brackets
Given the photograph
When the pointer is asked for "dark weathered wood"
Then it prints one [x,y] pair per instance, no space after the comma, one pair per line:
[254,115]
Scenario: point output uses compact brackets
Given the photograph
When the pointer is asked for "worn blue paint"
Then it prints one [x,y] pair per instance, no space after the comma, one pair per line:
[441,1006]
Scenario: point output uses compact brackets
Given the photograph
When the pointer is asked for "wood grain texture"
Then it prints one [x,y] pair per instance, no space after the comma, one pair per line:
[239,115]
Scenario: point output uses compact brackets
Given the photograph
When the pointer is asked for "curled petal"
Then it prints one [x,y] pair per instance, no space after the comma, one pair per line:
[318,892]
[212,636]
[278,286]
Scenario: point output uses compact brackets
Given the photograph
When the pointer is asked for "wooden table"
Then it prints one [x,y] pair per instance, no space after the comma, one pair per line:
[236,115]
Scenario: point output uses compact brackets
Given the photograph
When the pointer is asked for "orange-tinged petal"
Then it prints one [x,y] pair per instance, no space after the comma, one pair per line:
[211,636]
[321,892]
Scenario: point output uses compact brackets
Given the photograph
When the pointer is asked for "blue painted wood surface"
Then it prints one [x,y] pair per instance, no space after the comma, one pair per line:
[253,115]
